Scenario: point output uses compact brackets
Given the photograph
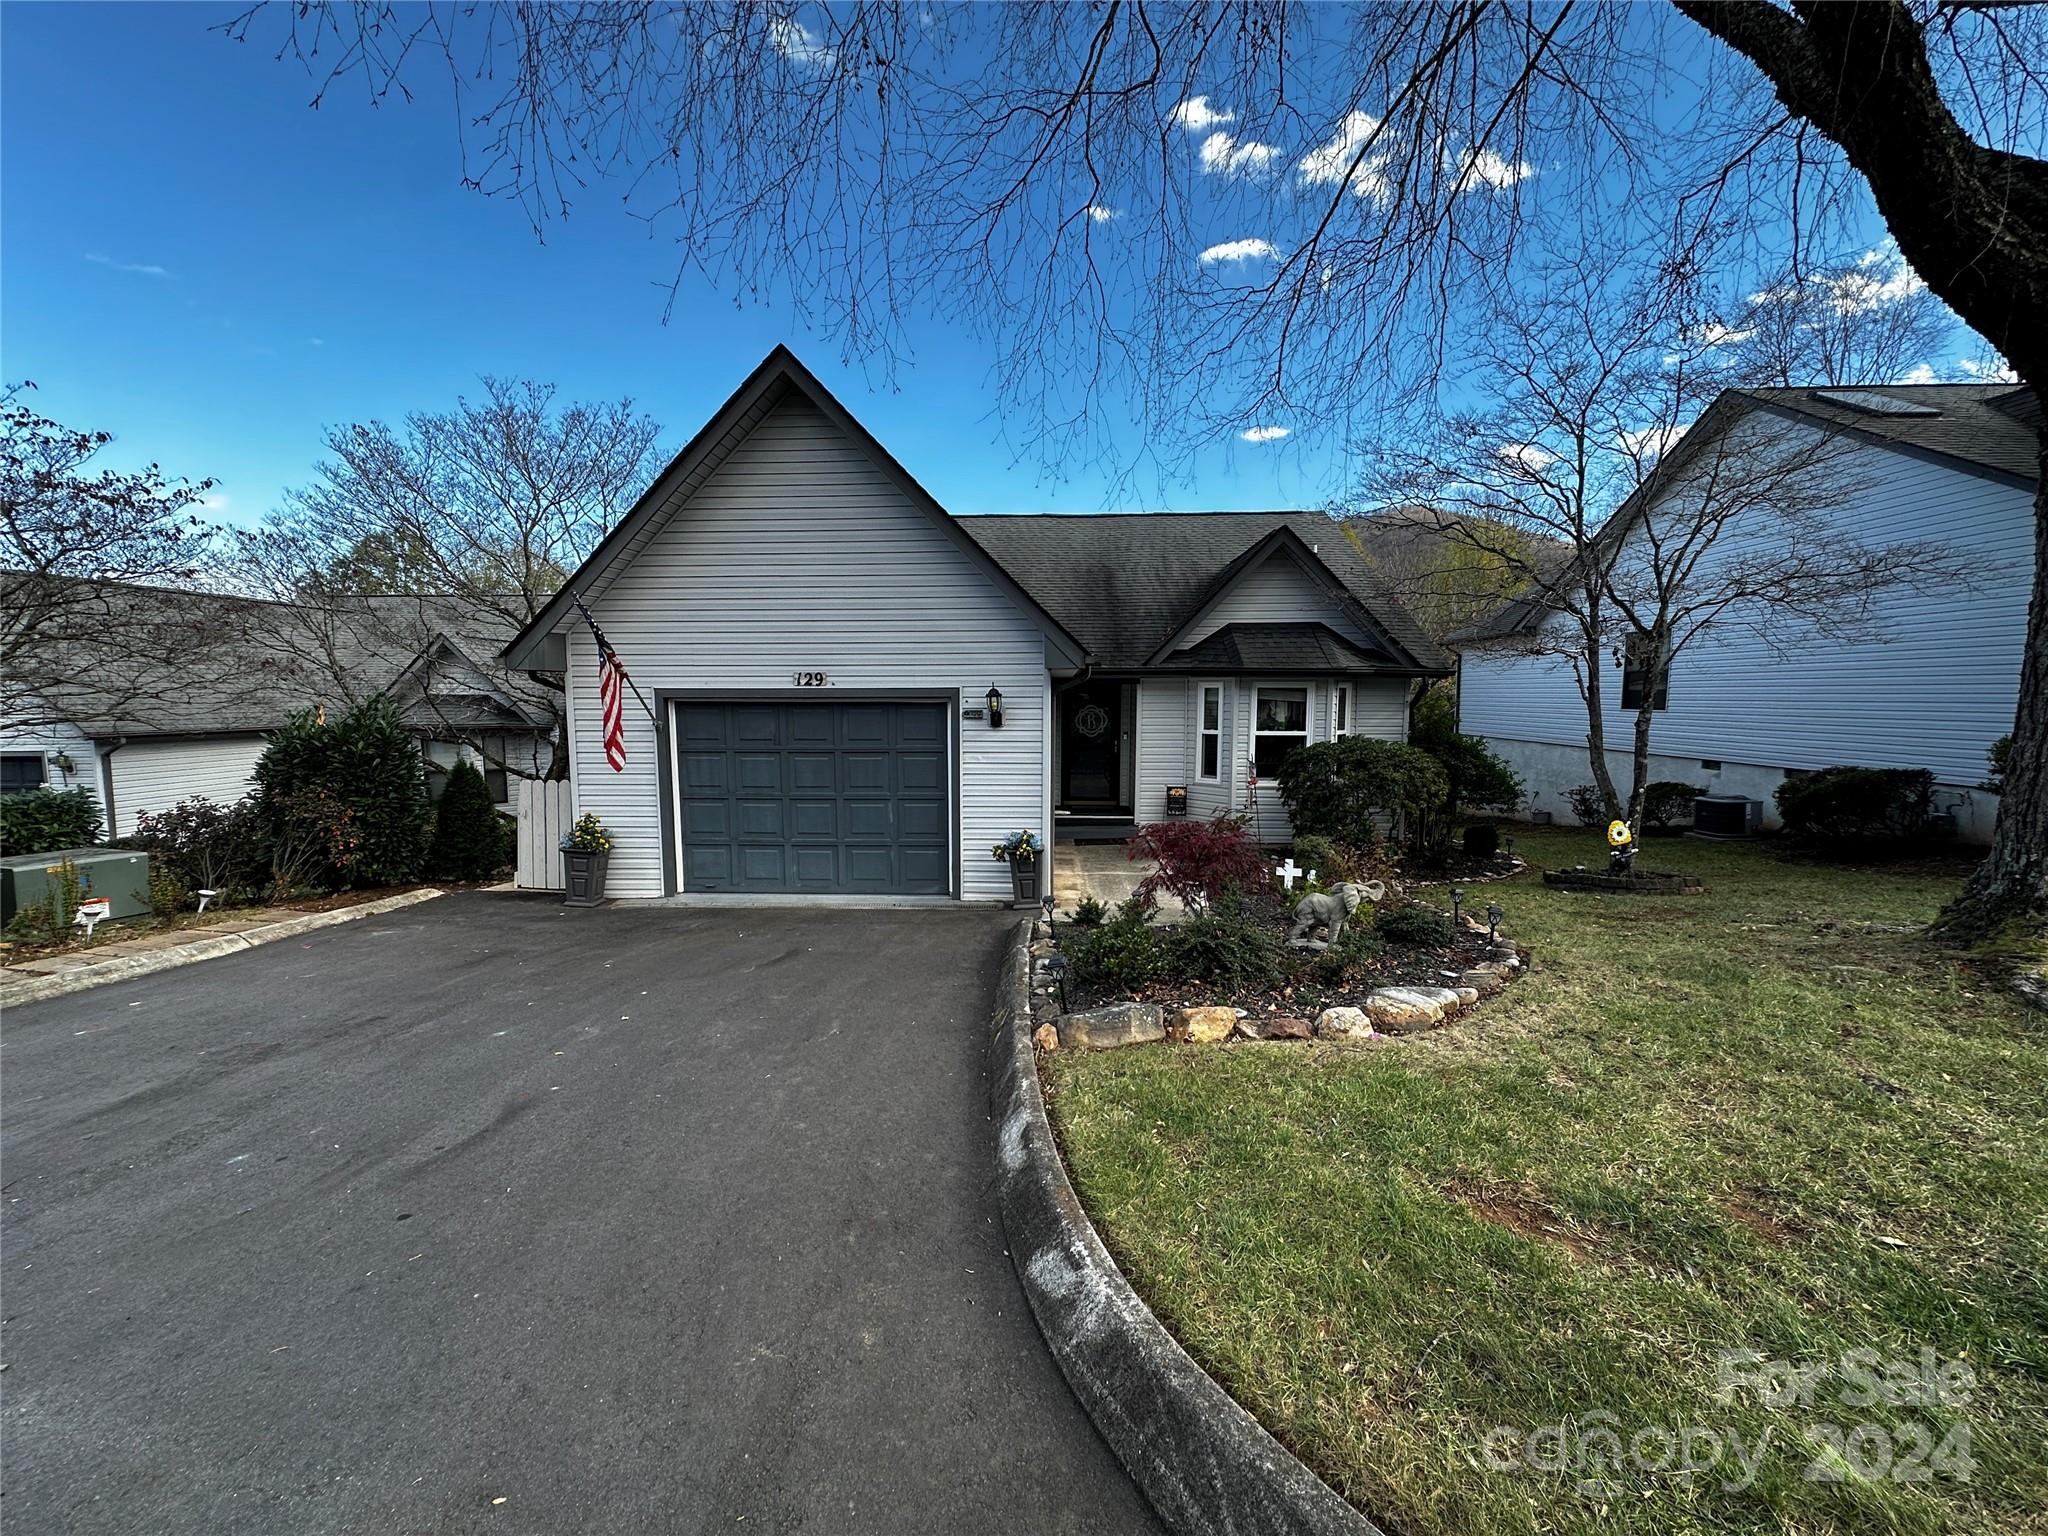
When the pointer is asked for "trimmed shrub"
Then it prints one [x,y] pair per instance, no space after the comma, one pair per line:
[359,785]
[1223,949]
[1198,860]
[166,892]
[1482,840]
[44,820]
[469,838]
[1587,804]
[207,847]
[1088,913]
[1121,955]
[1351,955]
[1845,806]
[1410,922]
[1667,804]
[1333,788]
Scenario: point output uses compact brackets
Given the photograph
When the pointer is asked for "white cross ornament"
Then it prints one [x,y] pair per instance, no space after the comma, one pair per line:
[1290,872]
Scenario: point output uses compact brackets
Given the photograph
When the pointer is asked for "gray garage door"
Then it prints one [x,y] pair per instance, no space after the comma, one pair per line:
[824,798]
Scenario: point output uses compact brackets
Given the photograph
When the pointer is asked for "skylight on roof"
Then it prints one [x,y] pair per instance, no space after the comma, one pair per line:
[1871,403]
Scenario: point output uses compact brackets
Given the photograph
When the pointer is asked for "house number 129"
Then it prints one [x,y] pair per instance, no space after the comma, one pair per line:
[810,679]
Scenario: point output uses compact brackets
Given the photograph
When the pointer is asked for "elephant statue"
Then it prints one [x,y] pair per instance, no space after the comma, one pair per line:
[1330,910]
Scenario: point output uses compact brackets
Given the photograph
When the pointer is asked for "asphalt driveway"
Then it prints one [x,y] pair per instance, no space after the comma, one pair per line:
[492,1215]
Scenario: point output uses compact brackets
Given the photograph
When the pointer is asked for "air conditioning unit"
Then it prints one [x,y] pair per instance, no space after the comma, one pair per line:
[1726,816]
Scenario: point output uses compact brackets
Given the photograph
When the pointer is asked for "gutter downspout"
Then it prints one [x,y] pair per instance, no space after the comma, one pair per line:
[105,751]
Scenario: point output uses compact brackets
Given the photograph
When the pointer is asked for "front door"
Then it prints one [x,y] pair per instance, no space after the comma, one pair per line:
[1091,747]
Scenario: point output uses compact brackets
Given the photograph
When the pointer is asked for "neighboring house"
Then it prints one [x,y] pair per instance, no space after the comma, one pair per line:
[200,724]
[817,642]
[1954,463]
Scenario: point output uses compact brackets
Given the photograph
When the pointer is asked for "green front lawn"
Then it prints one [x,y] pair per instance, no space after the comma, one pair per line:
[1766,1118]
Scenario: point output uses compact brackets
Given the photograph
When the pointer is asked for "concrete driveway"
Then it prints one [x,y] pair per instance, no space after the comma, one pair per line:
[492,1215]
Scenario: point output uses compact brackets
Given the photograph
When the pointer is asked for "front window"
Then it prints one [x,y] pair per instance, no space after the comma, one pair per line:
[1279,725]
[20,772]
[1340,711]
[1212,731]
[1644,666]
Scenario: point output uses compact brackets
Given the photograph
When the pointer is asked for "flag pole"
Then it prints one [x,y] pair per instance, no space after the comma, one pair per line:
[604,646]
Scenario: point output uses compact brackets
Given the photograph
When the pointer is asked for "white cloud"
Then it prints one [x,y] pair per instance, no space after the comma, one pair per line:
[1238,250]
[1651,442]
[146,269]
[1100,214]
[1329,163]
[797,43]
[1533,457]
[1195,114]
[1921,373]
[1227,156]
[1714,334]
[1484,168]
[1264,434]
[1881,276]
[1988,370]
[216,502]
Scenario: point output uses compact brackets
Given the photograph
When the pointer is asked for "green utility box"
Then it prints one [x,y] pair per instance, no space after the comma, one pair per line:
[119,874]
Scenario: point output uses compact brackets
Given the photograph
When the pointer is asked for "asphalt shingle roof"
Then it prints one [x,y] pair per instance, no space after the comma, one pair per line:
[1122,583]
[1996,425]
[1277,648]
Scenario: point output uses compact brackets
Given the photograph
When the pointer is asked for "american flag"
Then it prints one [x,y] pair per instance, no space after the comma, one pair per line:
[611,694]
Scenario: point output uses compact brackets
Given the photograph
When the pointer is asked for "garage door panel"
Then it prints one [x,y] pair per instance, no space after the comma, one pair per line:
[921,866]
[815,797]
[760,818]
[764,865]
[756,725]
[920,771]
[866,772]
[813,773]
[817,869]
[705,772]
[869,820]
[921,820]
[814,818]
[757,772]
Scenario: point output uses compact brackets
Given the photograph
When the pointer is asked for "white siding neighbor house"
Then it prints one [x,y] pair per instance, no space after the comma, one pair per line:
[816,645]
[1933,688]
[143,732]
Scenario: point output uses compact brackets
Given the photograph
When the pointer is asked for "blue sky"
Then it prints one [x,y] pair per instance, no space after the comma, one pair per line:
[195,261]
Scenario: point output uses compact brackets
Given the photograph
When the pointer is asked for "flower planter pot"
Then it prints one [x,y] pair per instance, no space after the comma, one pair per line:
[1024,888]
[585,877]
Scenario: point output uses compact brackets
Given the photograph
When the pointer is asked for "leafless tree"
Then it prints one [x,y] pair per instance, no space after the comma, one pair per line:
[460,523]
[1225,212]
[1678,518]
[77,541]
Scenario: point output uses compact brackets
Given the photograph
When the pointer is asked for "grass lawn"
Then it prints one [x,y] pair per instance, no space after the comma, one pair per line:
[1765,1118]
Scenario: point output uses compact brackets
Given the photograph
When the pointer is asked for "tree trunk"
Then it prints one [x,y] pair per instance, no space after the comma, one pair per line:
[2012,882]
[1640,763]
[1973,221]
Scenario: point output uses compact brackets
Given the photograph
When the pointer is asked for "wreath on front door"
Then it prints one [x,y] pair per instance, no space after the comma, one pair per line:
[1091,720]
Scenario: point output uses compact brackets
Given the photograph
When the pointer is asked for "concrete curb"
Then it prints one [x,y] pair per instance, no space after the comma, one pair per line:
[1206,1465]
[41,988]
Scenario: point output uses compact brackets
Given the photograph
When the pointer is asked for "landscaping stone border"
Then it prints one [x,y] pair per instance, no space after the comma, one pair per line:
[20,987]
[1206,1465]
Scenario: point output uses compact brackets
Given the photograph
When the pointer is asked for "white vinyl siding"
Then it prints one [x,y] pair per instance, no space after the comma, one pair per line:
[1162,744]
[156,775]
[798,554]
[1934,693]
[1276,591]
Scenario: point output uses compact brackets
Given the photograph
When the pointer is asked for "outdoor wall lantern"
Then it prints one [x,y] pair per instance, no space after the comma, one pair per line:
[995,707]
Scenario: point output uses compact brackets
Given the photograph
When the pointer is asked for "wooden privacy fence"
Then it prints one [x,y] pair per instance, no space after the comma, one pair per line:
[544,815]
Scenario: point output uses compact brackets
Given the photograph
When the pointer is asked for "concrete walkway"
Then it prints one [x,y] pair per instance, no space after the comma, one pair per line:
[1103,871]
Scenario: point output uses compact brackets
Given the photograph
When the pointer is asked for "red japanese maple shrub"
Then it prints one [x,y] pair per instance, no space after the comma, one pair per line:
[1198,860]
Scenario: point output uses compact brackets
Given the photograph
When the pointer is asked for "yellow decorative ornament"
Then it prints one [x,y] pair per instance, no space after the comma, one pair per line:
[1618,834]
